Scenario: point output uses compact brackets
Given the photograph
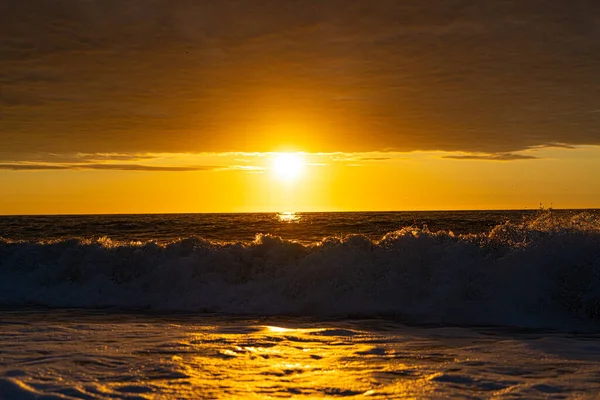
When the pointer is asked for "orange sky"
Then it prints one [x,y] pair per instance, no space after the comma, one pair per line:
[237,182]
[161,106]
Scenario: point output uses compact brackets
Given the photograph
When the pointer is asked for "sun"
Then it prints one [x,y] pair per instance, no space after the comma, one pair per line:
[288,166]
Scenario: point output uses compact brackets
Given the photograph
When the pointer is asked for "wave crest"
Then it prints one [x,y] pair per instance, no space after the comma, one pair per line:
[542,272]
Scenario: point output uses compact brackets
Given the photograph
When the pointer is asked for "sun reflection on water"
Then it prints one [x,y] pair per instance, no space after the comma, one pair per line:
[280,329]
[289,217]
[275,361]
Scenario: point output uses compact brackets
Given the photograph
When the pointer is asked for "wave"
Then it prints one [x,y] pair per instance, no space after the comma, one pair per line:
[541,272]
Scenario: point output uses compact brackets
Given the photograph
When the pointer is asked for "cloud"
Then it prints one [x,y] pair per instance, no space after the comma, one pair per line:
[106,167]
[75,158]
[492,157]
[32,167]
[113,157]
[554,145]
[144,76]
[375,158]
[250,168]
[27,76]
[155,168]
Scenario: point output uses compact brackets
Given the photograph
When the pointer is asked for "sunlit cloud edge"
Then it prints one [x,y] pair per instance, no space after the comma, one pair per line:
[248,161]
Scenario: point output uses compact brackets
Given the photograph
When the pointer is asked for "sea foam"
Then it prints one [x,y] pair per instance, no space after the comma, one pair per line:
[542,272]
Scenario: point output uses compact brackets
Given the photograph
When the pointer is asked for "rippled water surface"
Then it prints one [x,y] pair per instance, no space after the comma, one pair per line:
[76,354]
[303,227]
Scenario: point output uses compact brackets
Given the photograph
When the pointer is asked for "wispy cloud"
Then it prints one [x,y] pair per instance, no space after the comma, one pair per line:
[107,167]
[87,157]
[68,158]
[554,145]
[492,157]
[32,167]
[375,158]
[251,168]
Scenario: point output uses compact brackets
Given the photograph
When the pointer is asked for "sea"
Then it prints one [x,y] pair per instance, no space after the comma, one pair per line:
[373,305]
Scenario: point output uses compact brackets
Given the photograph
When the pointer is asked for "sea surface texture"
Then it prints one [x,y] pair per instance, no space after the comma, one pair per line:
[502,304]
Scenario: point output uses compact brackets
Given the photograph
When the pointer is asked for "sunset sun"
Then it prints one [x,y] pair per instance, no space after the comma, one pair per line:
[288,166]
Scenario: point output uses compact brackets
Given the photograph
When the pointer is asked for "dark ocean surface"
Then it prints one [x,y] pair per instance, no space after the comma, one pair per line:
[303,227]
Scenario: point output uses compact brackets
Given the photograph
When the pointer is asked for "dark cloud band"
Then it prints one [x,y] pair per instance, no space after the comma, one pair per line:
[259,75]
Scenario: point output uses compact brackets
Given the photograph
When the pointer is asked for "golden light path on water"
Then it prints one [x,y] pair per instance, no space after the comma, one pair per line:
[289,217]
[277,362]
[77,354]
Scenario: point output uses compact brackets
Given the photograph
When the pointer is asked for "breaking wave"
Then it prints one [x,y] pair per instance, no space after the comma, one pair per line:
[543,272]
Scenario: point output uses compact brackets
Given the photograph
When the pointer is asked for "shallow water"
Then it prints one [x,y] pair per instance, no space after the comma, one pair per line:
[79,354]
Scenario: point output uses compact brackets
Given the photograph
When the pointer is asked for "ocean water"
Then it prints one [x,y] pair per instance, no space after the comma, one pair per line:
[322,305]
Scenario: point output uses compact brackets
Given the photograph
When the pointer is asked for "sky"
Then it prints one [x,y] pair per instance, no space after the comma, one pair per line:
[126,106]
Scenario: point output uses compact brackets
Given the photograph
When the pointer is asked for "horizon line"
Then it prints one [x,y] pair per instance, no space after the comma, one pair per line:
[303,212]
